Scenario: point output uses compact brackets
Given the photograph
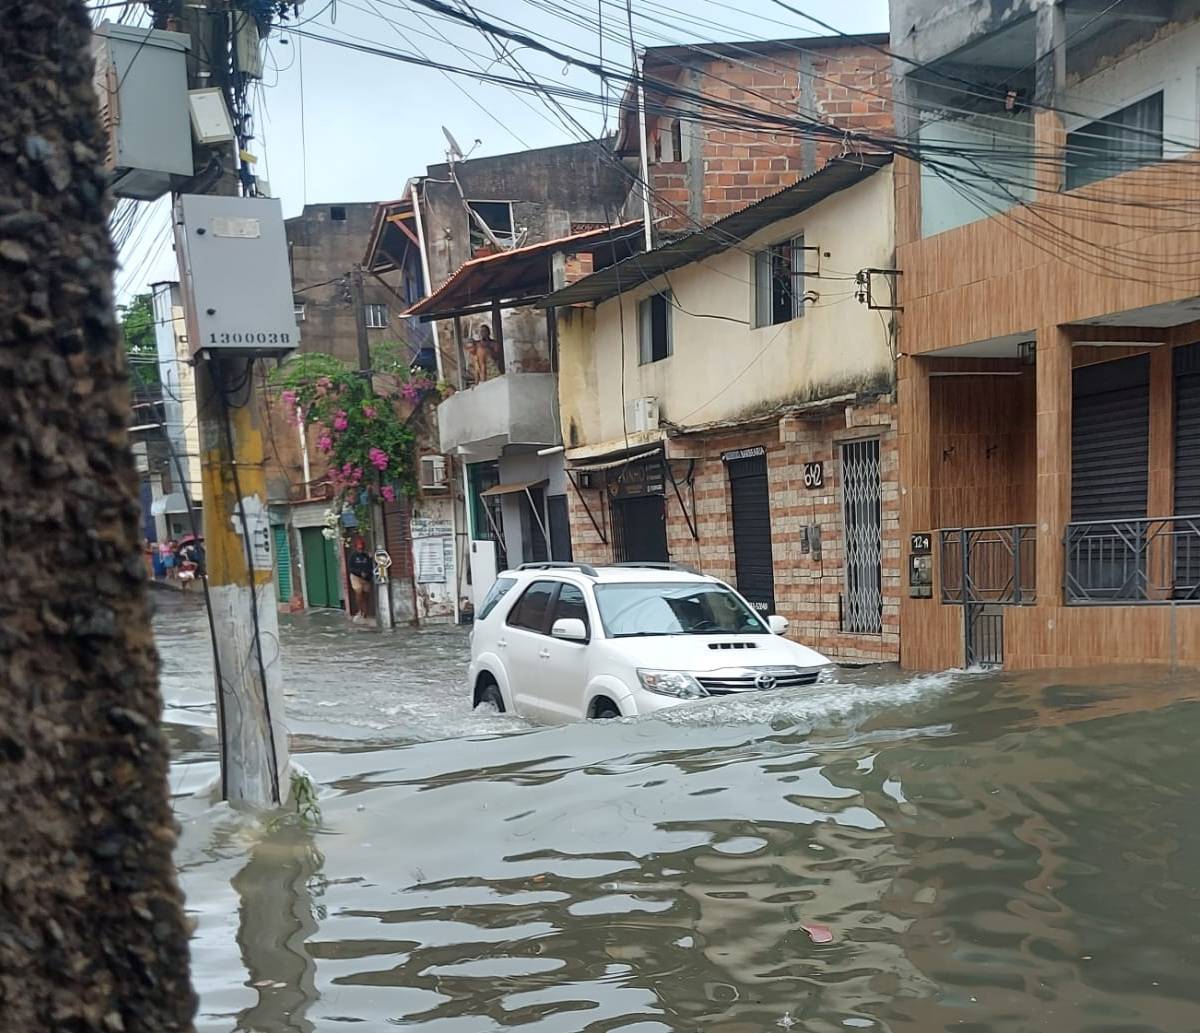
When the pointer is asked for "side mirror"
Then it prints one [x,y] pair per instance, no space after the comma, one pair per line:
[570,628]
[778,625]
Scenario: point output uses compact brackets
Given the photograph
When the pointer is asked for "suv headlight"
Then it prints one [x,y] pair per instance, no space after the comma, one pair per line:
[671,683]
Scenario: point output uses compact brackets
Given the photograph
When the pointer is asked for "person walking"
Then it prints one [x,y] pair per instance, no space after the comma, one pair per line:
[361,568]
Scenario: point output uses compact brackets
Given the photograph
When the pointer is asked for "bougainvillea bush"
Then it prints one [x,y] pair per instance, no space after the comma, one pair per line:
[366,442]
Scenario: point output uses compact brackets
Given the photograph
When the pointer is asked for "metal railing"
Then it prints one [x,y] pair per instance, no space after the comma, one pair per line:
[1143,561]
[989,565]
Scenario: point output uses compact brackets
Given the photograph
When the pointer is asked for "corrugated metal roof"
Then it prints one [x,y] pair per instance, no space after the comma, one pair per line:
[625,275]
[515,274]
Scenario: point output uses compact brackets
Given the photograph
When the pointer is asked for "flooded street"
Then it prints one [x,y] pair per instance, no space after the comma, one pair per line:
[981,852]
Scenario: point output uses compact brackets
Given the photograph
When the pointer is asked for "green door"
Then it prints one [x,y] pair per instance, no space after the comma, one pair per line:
[283,563]
[321,575]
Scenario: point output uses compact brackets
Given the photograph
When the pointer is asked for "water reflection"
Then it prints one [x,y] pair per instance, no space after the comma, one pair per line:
[990,853]
[277,915]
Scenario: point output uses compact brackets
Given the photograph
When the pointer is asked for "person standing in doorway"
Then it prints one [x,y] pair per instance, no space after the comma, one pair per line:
[361,568]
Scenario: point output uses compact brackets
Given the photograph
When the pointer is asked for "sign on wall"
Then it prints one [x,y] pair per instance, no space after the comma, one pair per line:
[743,453]
[814,475]
[920,543]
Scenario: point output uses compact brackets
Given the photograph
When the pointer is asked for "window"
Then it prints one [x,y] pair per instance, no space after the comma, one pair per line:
[337,213]
[571,605]
[299,310]
[498,217]
[377,316]
[501,588]
[530,611]
[779,283]
[1126,139]
[654,328]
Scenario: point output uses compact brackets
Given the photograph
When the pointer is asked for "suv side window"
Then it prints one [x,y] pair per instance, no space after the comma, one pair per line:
[498,591]
[571,604]
[530,611]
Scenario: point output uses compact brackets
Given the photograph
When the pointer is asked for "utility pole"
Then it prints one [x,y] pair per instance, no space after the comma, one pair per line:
[637,66]
[249,676]
[384,613]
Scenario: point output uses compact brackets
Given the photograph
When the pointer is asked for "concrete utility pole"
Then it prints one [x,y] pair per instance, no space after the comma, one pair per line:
[247,661]
[93,933]
[383,593]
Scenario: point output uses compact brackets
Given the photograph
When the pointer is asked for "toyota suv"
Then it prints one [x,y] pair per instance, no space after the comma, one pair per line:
[562,641]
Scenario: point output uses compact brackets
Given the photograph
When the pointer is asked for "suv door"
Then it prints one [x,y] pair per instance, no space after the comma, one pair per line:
[525,639]
[563,676]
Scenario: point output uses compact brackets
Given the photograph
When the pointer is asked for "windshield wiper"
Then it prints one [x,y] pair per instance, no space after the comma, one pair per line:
[645,634]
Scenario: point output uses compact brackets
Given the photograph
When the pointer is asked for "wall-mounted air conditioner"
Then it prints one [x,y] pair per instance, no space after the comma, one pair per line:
[642,415]
[433,473]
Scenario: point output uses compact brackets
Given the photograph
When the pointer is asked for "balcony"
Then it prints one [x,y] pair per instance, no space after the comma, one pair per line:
[511,409]
[1124,562]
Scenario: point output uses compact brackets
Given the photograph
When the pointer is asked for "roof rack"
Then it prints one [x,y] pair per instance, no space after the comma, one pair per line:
[584,568]
[683,568]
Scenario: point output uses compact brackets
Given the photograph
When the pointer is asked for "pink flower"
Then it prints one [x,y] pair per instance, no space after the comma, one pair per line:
[358,474]
[410,391]
[324,442]
[289,399]
[389,493]
[347,469]
[339,420]
[379,458]
[369,412]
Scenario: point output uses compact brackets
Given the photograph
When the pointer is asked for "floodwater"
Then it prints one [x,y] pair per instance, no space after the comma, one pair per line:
[968,852]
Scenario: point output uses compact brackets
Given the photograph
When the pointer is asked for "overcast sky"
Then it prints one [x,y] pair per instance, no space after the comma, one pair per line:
[339,125]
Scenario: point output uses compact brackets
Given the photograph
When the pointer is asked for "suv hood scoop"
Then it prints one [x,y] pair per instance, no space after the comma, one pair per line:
[732,645]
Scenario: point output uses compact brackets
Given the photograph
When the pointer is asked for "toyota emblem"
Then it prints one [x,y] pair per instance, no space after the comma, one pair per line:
[765,681]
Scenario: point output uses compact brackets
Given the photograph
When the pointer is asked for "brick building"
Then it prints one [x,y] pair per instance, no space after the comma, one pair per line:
[702,167]
[764,453]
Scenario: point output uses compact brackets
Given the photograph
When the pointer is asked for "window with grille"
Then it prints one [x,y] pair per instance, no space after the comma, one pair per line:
[1124,140]
[779,283]
[862,521]
[654,328]
[377,316]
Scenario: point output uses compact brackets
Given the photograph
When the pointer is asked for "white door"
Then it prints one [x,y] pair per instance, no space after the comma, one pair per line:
[524,644]
[564,671]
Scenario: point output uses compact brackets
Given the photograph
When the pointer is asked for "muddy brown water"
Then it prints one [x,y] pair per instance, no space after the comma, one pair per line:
[987,852]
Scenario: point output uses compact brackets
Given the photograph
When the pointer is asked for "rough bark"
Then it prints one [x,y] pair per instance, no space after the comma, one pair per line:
[92,933]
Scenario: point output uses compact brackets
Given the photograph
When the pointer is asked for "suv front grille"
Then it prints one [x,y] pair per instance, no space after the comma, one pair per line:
[749,679]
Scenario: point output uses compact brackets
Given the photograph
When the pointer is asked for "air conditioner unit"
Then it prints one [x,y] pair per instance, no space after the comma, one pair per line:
[433,472]
[642,415]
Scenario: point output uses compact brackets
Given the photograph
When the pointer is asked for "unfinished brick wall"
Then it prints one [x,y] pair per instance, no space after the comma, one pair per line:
[845,87]
[807,589]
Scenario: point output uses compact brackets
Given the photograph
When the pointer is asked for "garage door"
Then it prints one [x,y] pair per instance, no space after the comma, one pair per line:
[751,505]
[1110,439]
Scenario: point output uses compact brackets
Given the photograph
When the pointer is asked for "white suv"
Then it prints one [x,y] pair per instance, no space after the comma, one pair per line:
[563,641]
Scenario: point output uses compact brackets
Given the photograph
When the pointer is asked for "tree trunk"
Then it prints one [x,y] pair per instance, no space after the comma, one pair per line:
[92,933]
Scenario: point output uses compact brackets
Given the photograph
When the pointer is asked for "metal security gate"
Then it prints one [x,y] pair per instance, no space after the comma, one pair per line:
[1110,459]
[750,503]
[862,520]
[640,529]
[1187,470]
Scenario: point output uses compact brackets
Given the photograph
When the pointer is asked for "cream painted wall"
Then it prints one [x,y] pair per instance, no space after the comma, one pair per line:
[723,370]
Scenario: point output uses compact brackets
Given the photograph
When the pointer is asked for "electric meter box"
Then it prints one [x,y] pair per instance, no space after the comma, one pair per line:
[237,280]
[141,86]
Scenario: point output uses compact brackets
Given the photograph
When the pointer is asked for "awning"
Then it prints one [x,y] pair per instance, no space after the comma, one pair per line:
[512,489]
[611,464]
[172,503]
[522,275]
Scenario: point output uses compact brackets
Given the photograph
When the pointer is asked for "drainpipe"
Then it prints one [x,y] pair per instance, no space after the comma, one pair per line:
[437,350]
[639,66]
[303,433]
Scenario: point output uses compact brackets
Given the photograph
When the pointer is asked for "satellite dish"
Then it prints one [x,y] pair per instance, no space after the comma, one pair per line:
[456,152]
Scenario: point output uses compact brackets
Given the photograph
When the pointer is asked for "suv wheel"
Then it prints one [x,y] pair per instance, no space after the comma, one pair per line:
[490,694]
[605,710]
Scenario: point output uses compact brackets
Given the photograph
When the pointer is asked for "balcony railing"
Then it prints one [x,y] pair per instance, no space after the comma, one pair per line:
[1143,561]
[989,565]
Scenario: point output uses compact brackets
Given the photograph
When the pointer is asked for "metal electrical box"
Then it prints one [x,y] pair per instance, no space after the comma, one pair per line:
[141,86]
[236,278]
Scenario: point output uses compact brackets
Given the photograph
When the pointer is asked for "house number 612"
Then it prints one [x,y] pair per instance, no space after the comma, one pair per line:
[814,475]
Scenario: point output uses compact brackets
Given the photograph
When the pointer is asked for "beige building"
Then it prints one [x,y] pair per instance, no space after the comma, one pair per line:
[726,402]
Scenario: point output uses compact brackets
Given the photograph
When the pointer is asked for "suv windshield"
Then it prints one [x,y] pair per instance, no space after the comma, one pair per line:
[674,608]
